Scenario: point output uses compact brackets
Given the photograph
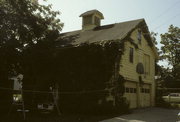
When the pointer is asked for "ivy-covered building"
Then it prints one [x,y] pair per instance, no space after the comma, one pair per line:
[118,58]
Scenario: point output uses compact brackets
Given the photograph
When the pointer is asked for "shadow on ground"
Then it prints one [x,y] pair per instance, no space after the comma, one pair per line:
[18,117]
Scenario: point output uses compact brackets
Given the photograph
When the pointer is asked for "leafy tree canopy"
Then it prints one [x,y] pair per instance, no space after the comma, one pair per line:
[171,45]
[25,28]
[171,52]
[24,24]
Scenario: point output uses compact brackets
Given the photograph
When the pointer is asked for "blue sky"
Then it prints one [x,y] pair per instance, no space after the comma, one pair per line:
[158,14]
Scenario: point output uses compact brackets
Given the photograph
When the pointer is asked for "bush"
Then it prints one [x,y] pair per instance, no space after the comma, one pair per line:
[161,103]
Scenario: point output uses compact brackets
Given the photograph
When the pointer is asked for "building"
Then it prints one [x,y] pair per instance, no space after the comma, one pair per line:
[137,64]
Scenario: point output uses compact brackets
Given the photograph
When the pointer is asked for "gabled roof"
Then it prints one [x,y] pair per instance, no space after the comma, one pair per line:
[102,33]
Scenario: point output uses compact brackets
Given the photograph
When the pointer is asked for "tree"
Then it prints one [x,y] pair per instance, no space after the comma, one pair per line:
[24,23]
[171,52]
[25,27]
[157,66]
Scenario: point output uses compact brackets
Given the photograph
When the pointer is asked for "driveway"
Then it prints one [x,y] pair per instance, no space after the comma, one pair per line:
[148,115]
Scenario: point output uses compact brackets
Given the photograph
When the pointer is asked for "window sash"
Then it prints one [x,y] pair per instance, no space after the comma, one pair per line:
[139,36]
[131,55]
[87,20]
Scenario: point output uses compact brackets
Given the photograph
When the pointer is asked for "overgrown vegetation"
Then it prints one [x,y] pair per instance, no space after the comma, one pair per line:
[92,68]
[86,75]
[27,44]
[24,25]
[171,53]
[160,102]
[168,77]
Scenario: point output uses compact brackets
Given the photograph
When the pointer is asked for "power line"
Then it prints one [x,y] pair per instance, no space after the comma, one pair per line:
[170,19]
[164,12]
[60,92]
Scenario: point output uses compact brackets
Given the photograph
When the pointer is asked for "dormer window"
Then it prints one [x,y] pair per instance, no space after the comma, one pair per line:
[139,36]
[87,20]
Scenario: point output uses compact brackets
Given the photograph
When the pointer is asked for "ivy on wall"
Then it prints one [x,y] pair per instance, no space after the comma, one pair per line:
[89,73]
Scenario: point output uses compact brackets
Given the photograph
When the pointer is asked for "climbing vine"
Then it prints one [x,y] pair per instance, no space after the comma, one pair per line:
[87,75]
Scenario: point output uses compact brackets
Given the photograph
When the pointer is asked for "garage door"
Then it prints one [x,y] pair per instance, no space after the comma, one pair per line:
[131,94]
[145,96]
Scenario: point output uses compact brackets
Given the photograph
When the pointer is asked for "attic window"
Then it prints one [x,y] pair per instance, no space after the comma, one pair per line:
[87,20]
[139,36]
[131,55]
[96,21]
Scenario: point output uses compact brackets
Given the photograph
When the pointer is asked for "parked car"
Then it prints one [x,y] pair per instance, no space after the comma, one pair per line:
[45,107]
[178,117]
[172,98]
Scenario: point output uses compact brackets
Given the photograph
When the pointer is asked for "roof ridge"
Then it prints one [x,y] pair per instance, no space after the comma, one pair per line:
[104,25]
[142,19]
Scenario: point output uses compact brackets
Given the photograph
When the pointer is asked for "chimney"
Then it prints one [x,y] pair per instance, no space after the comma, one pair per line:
[91,19]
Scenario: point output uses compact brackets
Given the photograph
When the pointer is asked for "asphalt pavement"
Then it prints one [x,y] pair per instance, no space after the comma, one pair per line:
[148,115]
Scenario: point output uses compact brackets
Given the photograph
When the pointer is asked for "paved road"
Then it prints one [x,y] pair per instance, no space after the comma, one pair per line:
[148,115]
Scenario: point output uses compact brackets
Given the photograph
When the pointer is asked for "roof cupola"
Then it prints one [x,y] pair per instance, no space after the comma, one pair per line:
[91,19]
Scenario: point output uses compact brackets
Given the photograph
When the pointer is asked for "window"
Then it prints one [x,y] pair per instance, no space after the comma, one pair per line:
[145,90]
[87,20]
[131,54]
[148,90]
[142,90]
[139,36]
[127,90]
[147,64]
[131,90]
[97,21]
[135,90]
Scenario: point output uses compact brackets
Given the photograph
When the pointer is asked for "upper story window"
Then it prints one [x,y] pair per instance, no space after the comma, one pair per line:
[147,64]
[139,36]
[87,20]
[131,54]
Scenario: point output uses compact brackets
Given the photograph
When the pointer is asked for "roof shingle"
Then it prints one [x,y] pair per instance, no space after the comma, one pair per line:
[101,33]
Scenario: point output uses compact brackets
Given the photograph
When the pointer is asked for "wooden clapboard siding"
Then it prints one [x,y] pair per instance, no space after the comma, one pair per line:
[128,69]
[143,52]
